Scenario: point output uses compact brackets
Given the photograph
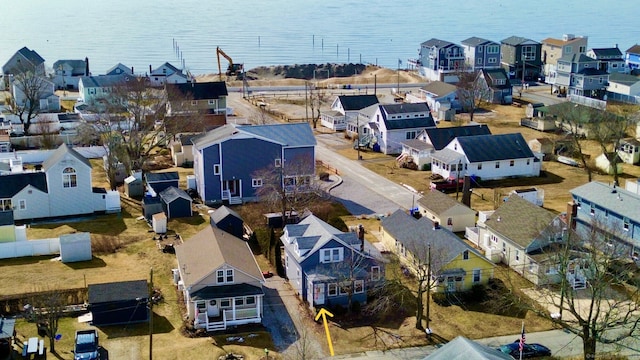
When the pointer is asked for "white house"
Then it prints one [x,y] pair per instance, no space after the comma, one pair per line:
[166,74]
[438,95]
[629,151]
[48,101]
[489,157]
[391,124]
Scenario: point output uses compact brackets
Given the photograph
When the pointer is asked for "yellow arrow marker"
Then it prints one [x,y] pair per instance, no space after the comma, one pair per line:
[324,313]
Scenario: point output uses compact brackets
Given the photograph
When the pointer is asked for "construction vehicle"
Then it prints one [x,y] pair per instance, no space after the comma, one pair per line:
[233,69]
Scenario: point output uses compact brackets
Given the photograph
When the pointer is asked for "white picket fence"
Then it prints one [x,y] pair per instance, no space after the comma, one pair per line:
[24,248]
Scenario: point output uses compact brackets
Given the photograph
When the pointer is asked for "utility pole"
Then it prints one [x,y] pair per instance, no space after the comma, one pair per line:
[428,330]
[150,303]
[306,101]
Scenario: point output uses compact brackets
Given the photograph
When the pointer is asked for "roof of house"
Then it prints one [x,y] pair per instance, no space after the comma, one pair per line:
[417,144]
[105,80]
[118,291]
[6,217]
[439,202]
[439,88]
[123,67]
[7,327]
[624,79]
[74,64]
[462,348]
[75,238]
[311,234]
[481,148]
[607,52]
[496,74]
[60,153]
[441,137]
[158,70]
[475,41]
[519,220]
[615,199]
[433,42]
[517,40]
[162,176]
[635,49]
[187,139]
[31,55]
[209,250]
[417,234]
[222,212]
[197,90]
[289,135]
[560,42]
[357,102]
[172,193]
[577,58]
[388,110]
[14,183]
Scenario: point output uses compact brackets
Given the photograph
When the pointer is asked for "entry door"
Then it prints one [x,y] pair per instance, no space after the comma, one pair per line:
[318,294]
[451,284]
[212,308]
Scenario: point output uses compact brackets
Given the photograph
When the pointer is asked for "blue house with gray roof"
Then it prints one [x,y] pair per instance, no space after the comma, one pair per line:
[611,208]
[93,89]
[489,157]
[227,159]
[391,124]
[327,267]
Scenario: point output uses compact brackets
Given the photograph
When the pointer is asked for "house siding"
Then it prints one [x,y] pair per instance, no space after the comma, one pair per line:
[209,185]
[59,196]
[37,204]
[239,277]
[461,218]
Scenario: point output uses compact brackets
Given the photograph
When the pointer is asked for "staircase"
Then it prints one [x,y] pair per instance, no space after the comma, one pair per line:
[235,200]
[577,282]
[363,141]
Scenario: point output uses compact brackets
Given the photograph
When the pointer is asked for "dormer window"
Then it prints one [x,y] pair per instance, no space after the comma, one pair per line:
[224,276]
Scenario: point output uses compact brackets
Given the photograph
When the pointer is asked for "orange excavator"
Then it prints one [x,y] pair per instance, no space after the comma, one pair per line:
[233,69]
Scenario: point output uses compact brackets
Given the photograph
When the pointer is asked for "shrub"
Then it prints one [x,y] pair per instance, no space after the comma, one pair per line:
[426,167]
[324,176]
[338,223]
[356,307]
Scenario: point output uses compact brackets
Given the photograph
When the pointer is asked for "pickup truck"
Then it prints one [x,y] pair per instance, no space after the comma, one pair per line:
[86,345]
[447,185]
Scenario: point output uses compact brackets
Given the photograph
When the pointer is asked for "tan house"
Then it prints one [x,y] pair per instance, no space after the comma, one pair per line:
[220,280]
[446,211]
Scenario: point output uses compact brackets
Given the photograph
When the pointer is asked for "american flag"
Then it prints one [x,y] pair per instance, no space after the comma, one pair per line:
[522,339]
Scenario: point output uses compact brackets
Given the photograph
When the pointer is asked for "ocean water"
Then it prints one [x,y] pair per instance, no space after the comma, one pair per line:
[139,33]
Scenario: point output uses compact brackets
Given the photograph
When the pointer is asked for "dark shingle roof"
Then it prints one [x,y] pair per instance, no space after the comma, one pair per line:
[291,135]
[105,80]
[60,152]
[172,193]
[519,220]
[475,41]
[608,52]
[496,74]
[592,72]
[516,40]
[118,291]
[357,102]
[625,79]
[163,176]
[433,42]
[31,55]
[406,123]
[441,137]
[222,212]
[197,91]
[11,184]
[76,65]
[417,234]
[481,148]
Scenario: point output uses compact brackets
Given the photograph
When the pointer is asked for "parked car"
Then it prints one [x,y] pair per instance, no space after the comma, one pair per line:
[528,351]
[86,345]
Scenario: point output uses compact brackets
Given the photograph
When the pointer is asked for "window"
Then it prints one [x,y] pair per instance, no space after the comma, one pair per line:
[528,52]
[592,209]
[225,303]
[5,204]
[517,255]
[480,166]
[211,102]
[410,135]
[331,255]
[375,273]
[256,182]
[224,276]
[345,288]
[250,300]
[625,224]
[277,163]
[216,169]
[568,50]
[493,49]
[494,238]
[194,102]
[504,247]
[69,177]
[512,162]
[332,289]
[358,286]
[497,164]
[479,61]
[528,161]
[22,204]
[492,60]
[476,275]
[480,49]
[239,301]
[465,255]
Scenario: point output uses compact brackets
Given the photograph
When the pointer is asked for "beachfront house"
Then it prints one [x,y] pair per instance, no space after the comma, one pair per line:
[439,60]
[481,53]
[521,58]
[67,73]
[554,49]
[496,86]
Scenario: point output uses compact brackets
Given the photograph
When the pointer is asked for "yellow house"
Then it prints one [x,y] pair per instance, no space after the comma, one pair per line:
[449,213]
[455,264]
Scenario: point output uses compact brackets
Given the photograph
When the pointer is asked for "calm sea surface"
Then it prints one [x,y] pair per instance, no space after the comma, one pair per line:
[139,33]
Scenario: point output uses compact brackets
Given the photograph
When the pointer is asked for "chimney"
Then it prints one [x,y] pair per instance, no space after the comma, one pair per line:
[466,191]
[149,69]
[361,236]
[132,70]
[86,68]
[572,212]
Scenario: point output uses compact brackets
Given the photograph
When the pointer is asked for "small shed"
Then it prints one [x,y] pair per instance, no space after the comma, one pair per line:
[176,202]
[157,182]
[228,220]
[159,223]
[604,165]
[151,206]
[75,247]
[133,187]
[7,331]
[541,145]
[117,303]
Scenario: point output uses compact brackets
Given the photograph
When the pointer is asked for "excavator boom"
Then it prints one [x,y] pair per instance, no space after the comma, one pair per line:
[233,69]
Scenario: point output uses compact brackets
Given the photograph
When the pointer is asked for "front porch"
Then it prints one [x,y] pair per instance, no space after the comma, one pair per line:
[215,308]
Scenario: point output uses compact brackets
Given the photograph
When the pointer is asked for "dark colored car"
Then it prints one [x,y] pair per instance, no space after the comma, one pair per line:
[528,351]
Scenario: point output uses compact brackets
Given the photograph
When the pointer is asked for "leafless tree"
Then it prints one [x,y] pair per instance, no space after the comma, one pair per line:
[606,310]
[608,130]
[289,186]
[472,92]
[315,99]
[29,86]
[45,309]
[305,347]
[48,134]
